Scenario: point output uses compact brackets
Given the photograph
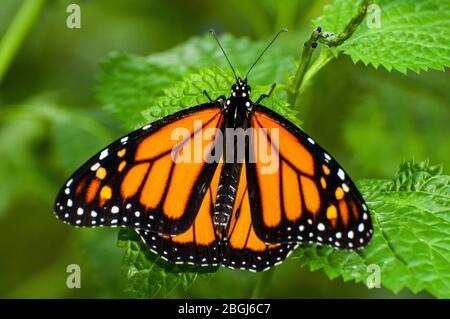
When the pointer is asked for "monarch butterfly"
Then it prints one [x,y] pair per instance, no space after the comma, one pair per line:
[222,209]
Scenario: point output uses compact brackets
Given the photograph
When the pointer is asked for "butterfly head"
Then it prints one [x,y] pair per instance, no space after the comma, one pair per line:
[241,90]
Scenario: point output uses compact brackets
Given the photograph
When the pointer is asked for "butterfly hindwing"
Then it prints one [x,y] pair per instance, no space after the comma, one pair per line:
[307,196]
[199,244]
[136,182]
[243,249]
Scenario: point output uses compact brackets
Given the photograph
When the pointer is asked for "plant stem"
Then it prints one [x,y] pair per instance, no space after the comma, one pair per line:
[262,283]
[304,63]
[17,31]
[323,59]
[350,28]
[304,74]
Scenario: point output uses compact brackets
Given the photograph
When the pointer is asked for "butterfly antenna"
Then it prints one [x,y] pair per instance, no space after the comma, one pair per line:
[264,51]
[226,57]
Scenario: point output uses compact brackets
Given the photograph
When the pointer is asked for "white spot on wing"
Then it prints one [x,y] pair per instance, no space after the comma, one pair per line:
[103,154]
[341,174]
[345,187]
[95,166]
[311,140]
[361,227]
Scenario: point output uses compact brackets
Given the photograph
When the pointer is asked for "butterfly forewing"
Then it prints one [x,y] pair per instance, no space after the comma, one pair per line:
[136,182]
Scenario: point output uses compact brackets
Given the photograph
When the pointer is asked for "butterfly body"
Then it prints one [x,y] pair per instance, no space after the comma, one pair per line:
[237,111]
[260,187]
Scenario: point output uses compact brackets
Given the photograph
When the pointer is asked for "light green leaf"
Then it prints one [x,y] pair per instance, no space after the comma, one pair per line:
[129,83]
[411,244]
[189,91]
[413,35]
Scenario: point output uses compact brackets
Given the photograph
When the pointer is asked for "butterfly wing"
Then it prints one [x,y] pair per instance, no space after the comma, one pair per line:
[242,247]
[141,179]
[199,244]
[304,195]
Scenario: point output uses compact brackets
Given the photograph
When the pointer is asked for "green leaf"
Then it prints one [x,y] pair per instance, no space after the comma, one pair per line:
[128,84]
[148,274]
[411,244]
[413,35]
[189,91]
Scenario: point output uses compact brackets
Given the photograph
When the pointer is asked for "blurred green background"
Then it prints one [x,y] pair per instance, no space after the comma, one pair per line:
[51,121]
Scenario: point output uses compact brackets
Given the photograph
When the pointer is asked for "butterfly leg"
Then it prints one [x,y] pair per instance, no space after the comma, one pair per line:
[220,98]
[263,96]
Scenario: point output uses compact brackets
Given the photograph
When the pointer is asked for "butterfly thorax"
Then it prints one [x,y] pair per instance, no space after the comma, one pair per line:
[239,101]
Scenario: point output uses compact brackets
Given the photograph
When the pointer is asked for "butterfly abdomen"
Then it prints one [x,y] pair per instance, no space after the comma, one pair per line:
[226,193]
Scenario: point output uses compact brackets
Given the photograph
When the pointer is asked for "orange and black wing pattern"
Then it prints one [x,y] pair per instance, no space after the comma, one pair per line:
[306,196]
[243,248]
[200,244]
[142,179]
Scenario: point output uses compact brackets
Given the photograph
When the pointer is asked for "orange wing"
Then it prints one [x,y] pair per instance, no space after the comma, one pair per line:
[243,248]
[199,245]
[149,179]
[301,194]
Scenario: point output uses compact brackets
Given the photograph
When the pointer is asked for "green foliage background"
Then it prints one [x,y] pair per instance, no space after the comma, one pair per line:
[59,104]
